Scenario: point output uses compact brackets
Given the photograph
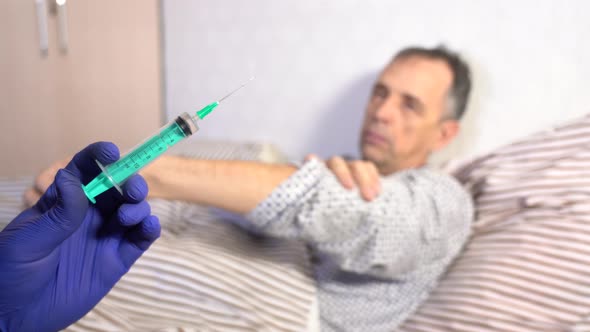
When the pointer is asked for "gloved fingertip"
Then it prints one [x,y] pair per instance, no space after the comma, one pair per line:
[48,198]
[135,189]
[106,152]
[140,238]
[66,182]
[84,165]
[132,214]
[147,232]
[152,228]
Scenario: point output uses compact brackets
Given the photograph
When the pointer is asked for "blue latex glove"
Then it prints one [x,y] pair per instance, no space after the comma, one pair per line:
[59,258]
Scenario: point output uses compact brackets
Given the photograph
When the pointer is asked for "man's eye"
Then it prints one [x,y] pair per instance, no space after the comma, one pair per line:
[410,105]
[379,94]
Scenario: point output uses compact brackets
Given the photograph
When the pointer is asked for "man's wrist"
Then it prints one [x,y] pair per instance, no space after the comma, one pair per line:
[154,176]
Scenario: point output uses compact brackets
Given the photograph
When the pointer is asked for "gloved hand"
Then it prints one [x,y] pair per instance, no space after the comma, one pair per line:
[59,258]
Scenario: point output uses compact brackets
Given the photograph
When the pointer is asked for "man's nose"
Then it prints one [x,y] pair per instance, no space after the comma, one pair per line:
[386,112]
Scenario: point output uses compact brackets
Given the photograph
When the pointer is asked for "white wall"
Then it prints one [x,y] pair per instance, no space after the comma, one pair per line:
[315,61]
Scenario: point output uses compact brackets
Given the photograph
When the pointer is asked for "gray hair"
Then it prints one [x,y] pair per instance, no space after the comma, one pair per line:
[459,93]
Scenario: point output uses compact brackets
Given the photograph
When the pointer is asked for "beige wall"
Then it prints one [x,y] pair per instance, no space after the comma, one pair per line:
[107,86]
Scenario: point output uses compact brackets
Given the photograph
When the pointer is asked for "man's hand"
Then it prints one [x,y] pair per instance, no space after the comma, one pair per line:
[355,173]
[42,182]
[59,258]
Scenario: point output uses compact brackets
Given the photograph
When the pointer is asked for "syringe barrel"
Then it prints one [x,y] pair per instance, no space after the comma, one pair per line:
[141,155]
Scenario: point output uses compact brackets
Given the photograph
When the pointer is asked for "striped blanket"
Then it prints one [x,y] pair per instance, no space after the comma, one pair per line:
[203,274]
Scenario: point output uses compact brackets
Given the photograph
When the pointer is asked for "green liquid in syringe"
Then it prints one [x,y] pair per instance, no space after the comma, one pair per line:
[118,172]
[130,164]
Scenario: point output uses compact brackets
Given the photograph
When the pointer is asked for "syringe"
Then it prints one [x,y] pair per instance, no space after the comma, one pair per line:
[115,174]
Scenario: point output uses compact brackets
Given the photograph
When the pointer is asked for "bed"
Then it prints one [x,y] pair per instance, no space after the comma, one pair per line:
[526,266]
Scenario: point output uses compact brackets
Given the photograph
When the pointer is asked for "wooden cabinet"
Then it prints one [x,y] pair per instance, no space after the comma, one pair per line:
[107,86]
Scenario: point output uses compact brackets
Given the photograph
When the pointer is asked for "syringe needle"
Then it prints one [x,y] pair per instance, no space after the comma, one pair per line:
[236,90]
[209,108]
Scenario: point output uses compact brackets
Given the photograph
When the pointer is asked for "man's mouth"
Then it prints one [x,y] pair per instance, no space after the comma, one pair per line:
[371,137]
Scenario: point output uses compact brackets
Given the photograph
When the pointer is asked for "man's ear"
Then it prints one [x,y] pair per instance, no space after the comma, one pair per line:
[448,130]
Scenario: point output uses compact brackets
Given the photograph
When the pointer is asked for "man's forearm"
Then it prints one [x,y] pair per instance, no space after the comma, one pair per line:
[236,186]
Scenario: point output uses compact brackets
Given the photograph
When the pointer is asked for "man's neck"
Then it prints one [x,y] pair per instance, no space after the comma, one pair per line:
[389,169]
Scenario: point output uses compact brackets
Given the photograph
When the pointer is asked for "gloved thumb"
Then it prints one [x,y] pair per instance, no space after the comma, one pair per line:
[36,236]
[70,207]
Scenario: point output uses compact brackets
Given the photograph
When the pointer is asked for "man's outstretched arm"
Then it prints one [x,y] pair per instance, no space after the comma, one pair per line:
[236,186]
[312,205]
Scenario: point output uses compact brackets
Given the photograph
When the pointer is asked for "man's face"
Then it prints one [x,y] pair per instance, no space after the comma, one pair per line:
[404,117]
